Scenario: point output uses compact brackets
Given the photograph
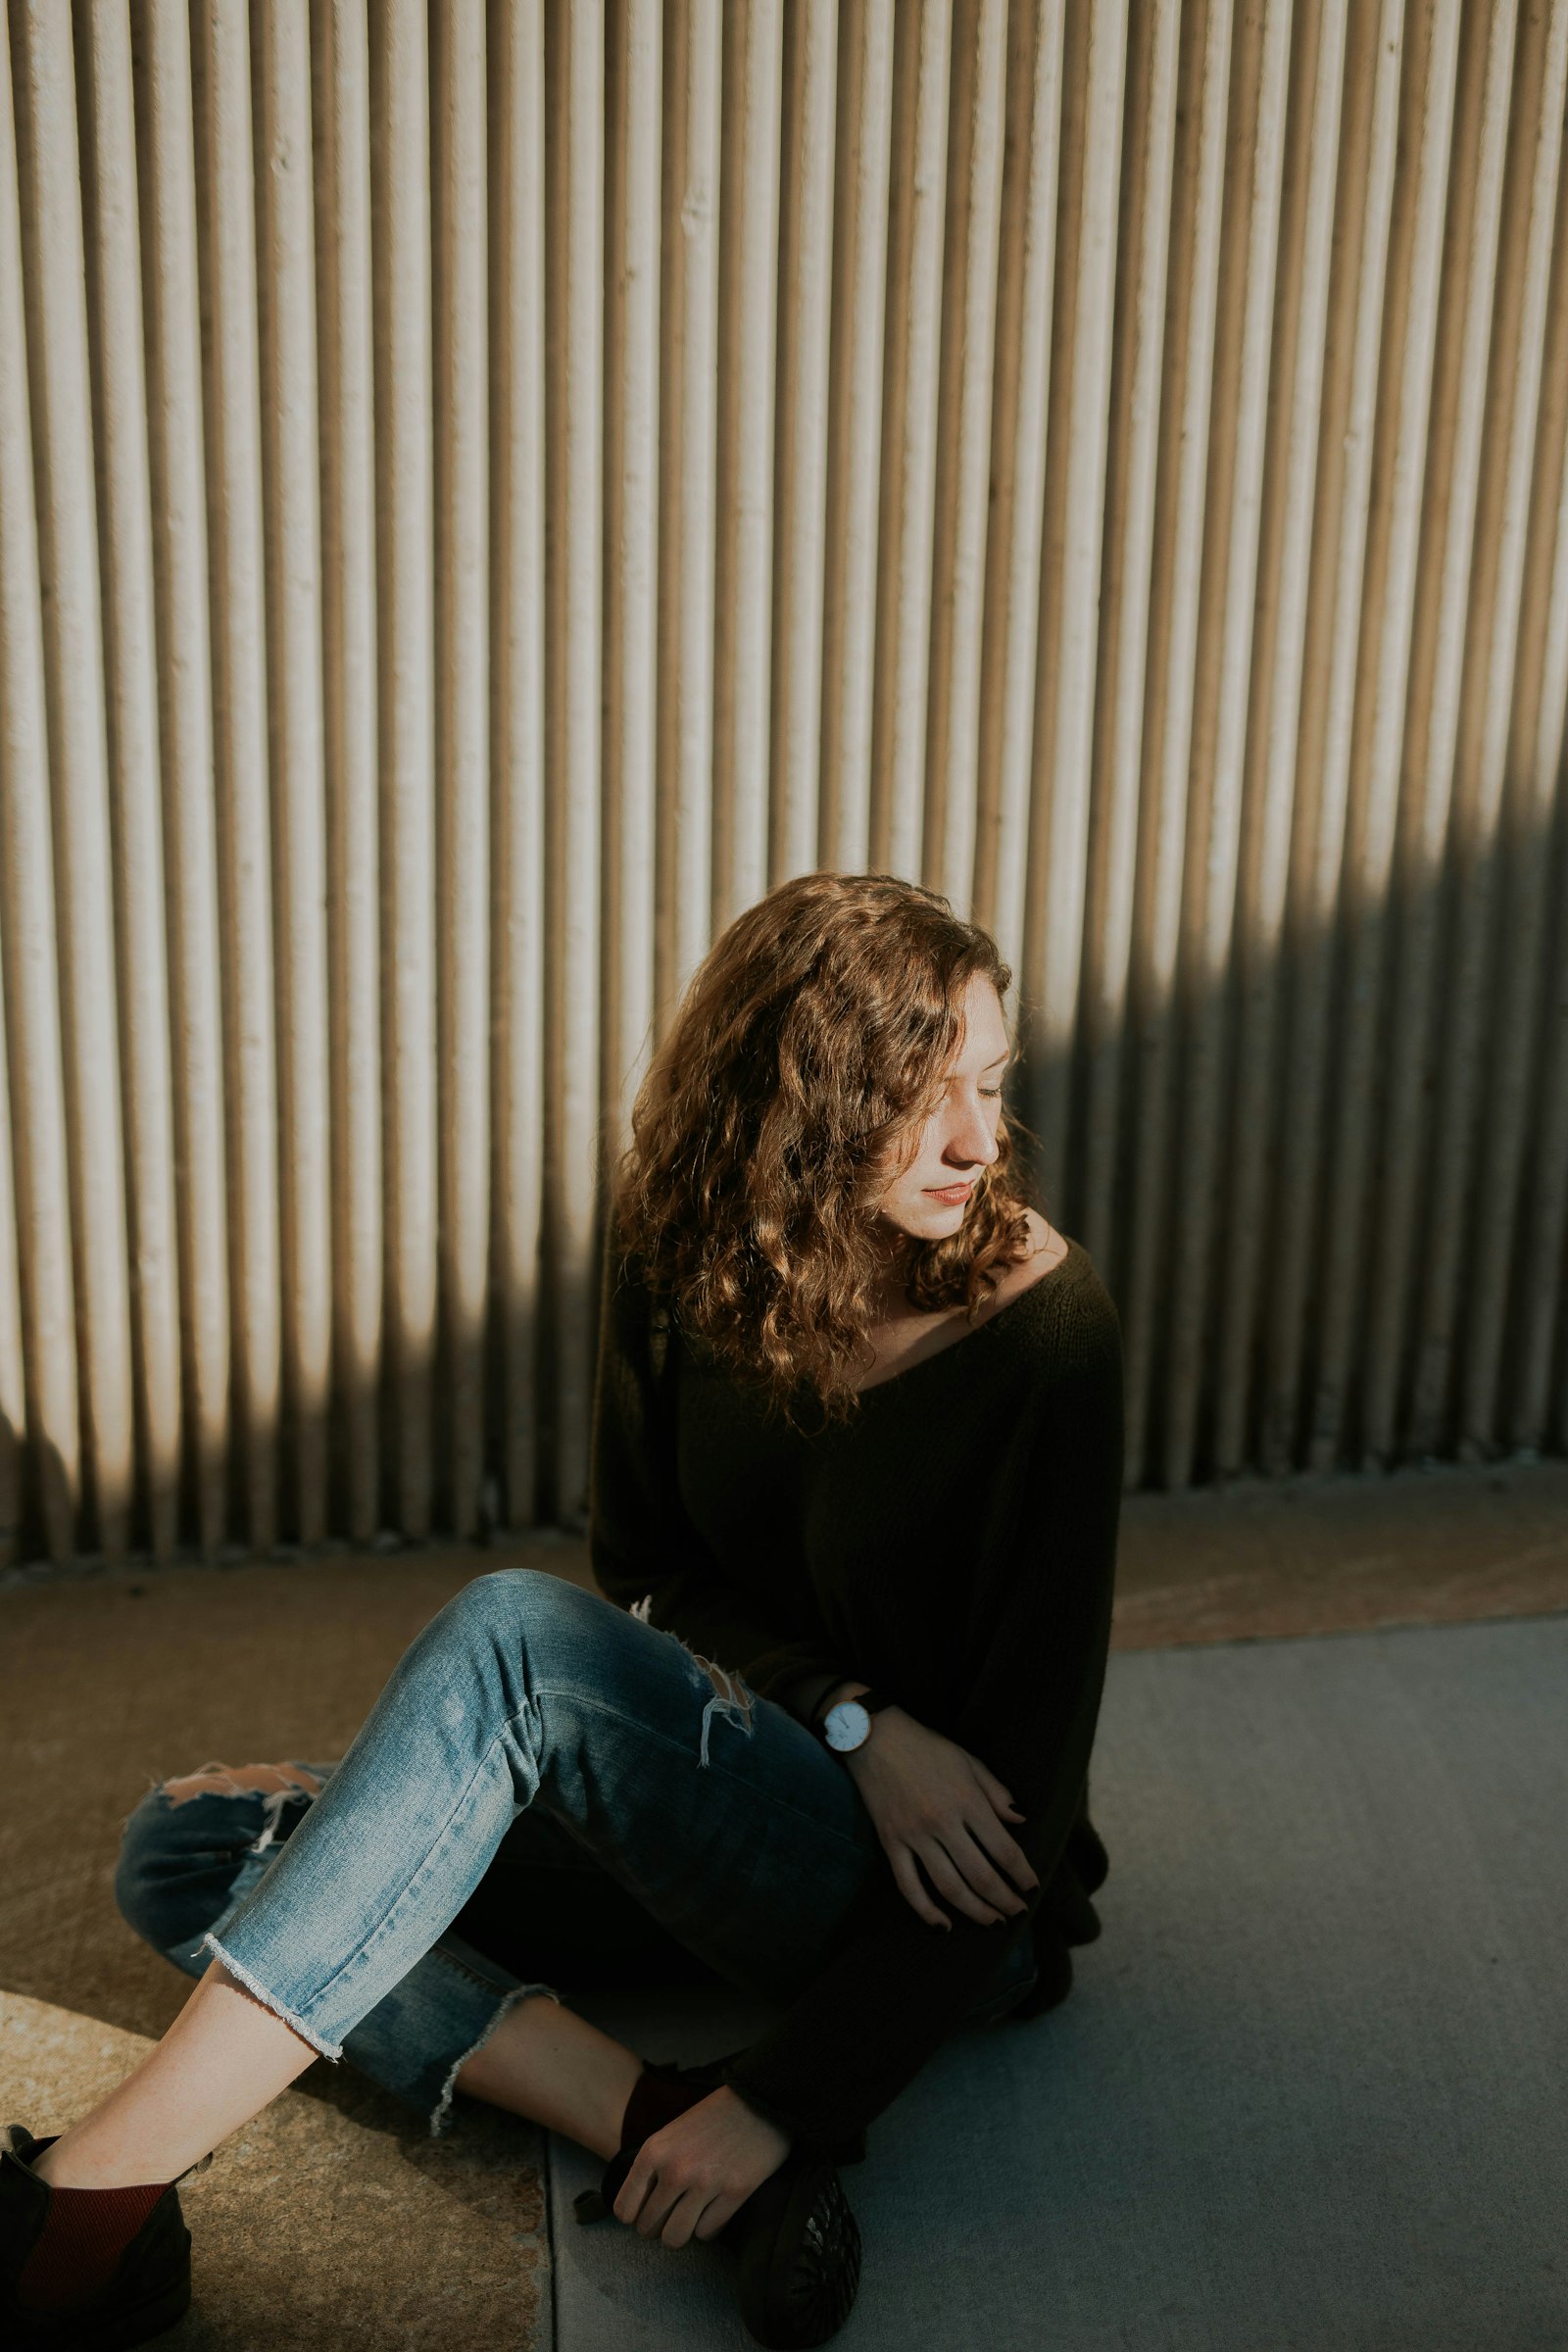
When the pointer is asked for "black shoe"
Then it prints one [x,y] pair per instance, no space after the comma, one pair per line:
[147,2295]
[796,2242]
[798,2247]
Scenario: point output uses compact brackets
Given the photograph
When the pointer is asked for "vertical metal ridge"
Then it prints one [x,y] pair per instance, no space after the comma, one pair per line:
[1054,926]
[290,452]
[802,434]
[911,349]
[1431,722]
[1122,672]
[115,288]
[1482,1107]
[860,195]
[65,458]
[1536,925]
[1215,791]
[346,363]
[228,246]
[1373,807]
[460,182]
[518,427]
[1324,753]
[1020,414]
[962,487]
[177,429]
[1203,90]
[633,172]
[575,52]
[406,525]
[1310,166]
[687,463]
[13,1376]
[40,1166]
[743,578]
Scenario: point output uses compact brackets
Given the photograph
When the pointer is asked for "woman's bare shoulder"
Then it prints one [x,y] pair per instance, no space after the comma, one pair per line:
[1047,1248]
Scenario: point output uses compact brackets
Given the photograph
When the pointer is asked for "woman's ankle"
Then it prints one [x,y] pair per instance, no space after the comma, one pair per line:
[65,2168]
[545,2062]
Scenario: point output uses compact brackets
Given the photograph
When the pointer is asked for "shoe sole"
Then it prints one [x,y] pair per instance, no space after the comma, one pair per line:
[799,2257]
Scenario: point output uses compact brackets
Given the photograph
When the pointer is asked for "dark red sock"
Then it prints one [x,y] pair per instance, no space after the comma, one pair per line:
[78,2251]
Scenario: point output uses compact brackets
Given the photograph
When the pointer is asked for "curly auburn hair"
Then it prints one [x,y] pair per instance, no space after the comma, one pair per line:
[809,1044]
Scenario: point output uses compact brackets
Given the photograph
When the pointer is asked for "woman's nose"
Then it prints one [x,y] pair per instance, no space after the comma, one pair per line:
[972,1143]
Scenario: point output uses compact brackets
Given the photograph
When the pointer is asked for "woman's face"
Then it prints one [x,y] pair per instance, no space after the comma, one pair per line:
[957,1141]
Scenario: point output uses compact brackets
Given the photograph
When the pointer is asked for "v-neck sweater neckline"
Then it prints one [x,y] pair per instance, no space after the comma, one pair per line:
[1074,1251]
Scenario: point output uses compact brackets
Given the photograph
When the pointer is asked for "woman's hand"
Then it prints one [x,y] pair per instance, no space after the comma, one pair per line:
[935,1804]
[689,2176]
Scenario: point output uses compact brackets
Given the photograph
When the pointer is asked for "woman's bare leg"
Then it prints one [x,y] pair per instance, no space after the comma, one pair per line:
[227,2056]
[546,2062]
[223,2059]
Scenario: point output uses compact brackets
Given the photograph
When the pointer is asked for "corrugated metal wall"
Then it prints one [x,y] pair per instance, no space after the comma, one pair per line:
[486,493]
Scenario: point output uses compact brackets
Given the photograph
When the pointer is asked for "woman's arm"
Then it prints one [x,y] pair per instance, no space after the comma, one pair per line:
[1043,1570]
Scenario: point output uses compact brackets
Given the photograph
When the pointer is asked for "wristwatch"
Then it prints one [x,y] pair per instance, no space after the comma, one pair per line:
[846,1726]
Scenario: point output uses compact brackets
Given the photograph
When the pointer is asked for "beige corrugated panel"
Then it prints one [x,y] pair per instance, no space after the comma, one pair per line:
[291,416]
[805,328]
[116,292]
[575,103]
[978,114]
[854,432]
[1279,682]
[175,419]
[910,358]
[462,736]
[743,586]
[241,658]
[41,1320]
[346,360]
[518,744]
[400,195]
[483,503]
[69,555]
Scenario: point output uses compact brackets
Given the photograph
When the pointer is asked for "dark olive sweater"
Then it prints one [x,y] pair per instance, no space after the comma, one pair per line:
[954,1546]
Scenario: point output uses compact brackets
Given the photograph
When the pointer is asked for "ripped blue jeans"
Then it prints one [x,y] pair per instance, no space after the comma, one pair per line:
[547,1788]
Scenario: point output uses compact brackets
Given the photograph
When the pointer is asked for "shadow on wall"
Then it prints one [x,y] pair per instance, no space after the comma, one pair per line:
[1280,1184]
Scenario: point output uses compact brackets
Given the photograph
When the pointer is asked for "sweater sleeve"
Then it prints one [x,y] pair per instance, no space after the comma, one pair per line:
[646,1555]
[1038,1634]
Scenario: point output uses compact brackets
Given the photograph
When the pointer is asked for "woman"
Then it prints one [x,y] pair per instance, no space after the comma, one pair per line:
[858,1437]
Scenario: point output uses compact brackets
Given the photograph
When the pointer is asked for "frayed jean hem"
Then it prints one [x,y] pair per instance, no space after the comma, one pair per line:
[236,1968]
[441,2113]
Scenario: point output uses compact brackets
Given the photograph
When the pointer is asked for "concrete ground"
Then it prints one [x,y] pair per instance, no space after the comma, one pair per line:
[334,2221]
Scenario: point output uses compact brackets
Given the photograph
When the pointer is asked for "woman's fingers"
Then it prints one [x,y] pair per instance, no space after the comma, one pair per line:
[715,2213]
[966,1879]
[688,2213]
[991,1885]
[689,2178]
[673,2208]
[1004,1850]
[948,1880]
[911,1889]
[996,1792]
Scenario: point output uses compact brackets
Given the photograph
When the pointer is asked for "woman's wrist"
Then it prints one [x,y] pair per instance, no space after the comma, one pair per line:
[849,1688]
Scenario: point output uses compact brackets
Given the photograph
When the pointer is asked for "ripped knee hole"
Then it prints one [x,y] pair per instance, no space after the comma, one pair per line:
[241,1780]
[726,1685]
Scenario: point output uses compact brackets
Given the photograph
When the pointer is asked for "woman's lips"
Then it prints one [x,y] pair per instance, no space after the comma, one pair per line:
[949,1192]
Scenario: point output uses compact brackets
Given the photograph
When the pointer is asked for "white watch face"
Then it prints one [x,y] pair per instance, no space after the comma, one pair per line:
[847,1725]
